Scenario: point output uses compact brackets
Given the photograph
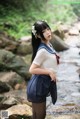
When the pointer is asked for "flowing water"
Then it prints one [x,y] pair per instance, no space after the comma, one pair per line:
[68,83]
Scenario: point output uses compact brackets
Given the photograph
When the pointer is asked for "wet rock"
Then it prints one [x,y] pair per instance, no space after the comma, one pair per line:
[9,61]
[4,87]
[24,48]
[13,97]
[19,95]
[19,47]
[21,85]
[8,102]
[58,44]
[11,78]
[20,109]
[7,42]
[62,29]
[59,33]
[1,97]
[73,31]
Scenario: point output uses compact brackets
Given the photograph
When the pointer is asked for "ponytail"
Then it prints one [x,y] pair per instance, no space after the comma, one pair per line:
[35,44]
[37,30]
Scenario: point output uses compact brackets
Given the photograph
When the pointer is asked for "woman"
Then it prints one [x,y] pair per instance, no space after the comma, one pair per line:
[43,70]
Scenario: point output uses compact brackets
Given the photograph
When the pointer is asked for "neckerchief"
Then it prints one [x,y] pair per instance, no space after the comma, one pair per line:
[50,50]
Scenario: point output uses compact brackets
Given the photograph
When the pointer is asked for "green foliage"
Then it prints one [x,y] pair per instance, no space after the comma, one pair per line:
[76,9]
[66,1]
[17,16]
[59,12]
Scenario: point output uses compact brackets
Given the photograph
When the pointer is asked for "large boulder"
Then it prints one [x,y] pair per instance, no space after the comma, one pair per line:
[13,97]
[12,79]
[7,42]
[24,48]
[9,61]
[20,110]
[73,31]
[20,47]
[8,102]
[58,43]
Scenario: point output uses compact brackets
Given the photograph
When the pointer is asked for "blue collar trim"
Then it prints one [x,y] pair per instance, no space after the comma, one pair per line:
[50,50]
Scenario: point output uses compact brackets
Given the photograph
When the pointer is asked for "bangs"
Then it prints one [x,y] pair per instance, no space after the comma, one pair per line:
[42,25]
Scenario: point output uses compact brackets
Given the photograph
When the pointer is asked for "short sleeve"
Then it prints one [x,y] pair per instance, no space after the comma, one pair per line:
[40,57]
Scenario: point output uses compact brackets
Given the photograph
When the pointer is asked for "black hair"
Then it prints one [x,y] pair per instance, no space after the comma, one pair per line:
[38,26]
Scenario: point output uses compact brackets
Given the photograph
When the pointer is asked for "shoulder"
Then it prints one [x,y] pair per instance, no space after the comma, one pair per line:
[42,51]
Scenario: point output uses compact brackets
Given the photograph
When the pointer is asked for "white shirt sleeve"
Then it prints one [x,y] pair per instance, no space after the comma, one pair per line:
[40,57]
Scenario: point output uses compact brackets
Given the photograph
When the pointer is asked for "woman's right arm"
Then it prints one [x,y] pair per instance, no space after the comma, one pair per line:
[36,69]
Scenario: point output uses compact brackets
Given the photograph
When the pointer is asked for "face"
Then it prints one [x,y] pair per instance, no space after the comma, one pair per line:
[47,34]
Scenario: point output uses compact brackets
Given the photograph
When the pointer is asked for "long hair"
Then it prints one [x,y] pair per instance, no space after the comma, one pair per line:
[38,26]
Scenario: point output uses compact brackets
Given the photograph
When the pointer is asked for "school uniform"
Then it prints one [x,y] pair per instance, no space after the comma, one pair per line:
[40,86]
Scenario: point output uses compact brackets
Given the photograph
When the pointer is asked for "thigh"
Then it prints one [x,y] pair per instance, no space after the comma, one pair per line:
[39,110]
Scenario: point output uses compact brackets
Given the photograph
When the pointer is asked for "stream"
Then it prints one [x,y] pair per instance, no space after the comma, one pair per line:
[68,83]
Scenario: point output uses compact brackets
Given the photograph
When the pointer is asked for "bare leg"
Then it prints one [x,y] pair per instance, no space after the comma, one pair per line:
[39,110]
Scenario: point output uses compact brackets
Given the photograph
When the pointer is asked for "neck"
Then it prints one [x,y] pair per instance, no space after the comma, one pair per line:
[46,42]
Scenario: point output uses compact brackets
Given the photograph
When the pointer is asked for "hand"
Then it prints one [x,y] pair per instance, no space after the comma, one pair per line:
[52,75]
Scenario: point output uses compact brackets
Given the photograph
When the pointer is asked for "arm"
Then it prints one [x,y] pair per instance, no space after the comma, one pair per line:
[35,69]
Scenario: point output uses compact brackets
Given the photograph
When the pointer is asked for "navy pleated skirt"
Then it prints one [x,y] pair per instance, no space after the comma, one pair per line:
[39,87]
